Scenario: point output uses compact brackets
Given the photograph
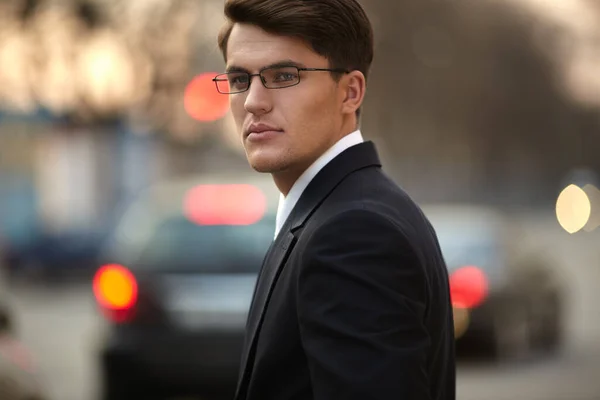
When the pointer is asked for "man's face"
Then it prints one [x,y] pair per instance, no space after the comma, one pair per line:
[303,120]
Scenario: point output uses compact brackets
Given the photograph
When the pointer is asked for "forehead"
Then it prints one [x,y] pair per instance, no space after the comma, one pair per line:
[251,47]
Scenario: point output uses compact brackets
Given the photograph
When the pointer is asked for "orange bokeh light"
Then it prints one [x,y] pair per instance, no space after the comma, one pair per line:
[202,101]
[115,287]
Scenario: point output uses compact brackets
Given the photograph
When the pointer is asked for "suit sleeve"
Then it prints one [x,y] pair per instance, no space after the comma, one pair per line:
[361,305]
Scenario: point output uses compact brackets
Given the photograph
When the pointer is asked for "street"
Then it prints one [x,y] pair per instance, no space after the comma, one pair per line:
[60,326]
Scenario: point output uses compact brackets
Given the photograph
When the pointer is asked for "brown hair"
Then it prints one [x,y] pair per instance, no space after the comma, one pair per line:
[338,30]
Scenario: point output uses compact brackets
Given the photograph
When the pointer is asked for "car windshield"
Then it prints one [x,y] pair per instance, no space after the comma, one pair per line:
[462,249]
[180,245]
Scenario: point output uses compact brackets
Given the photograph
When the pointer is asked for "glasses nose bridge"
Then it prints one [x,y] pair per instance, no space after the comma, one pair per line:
[257,99]
[260,76]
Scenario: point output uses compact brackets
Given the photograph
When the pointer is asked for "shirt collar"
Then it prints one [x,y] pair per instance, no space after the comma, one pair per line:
[287,203]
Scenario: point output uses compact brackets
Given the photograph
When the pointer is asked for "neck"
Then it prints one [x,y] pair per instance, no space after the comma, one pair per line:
[284,180]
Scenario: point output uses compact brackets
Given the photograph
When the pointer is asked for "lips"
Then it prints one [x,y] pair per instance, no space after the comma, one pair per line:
[261,128]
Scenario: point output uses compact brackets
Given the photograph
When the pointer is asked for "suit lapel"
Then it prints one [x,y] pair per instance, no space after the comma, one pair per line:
[272,265]
[352,159]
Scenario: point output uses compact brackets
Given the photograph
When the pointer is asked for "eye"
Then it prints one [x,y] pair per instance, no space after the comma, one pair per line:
[238,80]
[285,76]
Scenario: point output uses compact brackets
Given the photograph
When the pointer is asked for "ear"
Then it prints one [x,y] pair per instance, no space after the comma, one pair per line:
[354,88]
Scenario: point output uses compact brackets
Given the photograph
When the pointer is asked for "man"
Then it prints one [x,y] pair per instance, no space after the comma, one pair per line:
[352,301]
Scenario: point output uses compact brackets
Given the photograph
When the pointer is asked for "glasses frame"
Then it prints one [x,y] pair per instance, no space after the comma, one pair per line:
[223,76]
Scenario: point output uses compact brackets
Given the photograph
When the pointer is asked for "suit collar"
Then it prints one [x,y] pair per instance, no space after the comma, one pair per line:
[357,157]
[287,203]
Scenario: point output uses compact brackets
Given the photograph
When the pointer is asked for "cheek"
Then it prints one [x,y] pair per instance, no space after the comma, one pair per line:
[236,104]
[317,112]
[308,108]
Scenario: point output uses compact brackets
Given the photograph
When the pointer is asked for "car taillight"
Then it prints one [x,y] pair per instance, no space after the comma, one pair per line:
[468,287]
[116,290]
[236,204]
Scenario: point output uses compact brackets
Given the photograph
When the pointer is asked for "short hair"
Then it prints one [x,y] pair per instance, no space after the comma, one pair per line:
[338,30]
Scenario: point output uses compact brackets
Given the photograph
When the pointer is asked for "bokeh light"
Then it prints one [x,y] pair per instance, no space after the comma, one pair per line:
[573,209]
[593,195]
[462,319]
[225,204]
[202,101]
[468,287]
[115,287]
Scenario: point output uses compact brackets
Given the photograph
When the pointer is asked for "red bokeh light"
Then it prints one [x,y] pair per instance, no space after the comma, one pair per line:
[468,287]
[202,101]
[237,204]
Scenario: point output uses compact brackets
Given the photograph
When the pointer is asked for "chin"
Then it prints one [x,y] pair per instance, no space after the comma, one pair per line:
[262,163]
[264,166]
[265,161]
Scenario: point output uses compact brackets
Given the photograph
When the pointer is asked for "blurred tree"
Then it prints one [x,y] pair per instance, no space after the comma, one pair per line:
[474,98]
[89,61]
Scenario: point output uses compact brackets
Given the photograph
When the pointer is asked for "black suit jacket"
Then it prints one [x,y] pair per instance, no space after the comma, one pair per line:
[352,301]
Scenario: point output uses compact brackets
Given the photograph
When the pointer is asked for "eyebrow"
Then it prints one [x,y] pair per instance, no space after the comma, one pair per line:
[278,64]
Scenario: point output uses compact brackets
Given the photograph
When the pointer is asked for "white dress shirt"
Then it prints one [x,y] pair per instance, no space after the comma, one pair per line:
[287,203]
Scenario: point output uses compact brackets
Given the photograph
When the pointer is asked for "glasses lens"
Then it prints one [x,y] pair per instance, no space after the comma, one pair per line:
[280,77]
[232,82]
[222,83]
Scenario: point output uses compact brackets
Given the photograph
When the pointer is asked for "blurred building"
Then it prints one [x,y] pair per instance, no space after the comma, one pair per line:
[485,101]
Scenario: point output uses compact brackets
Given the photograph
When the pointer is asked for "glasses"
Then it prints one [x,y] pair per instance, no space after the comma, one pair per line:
[271,78]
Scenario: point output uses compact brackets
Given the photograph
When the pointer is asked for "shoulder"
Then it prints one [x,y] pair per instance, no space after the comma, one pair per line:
[371,197]
[365,247]
[357,227]
[370,209]
[357,216]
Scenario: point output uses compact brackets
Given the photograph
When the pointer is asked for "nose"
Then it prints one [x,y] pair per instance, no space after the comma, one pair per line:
[258,99]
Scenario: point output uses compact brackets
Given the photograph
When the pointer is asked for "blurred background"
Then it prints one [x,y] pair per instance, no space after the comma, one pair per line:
[116,151]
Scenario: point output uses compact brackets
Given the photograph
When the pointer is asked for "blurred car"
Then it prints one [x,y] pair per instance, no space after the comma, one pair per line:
[19,378]
[175,284]
[507,297]
[55,255]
